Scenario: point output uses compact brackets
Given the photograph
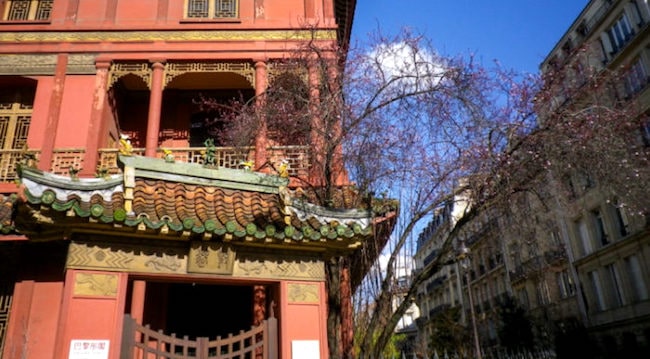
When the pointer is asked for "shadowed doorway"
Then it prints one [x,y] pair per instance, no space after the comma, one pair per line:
[198,310]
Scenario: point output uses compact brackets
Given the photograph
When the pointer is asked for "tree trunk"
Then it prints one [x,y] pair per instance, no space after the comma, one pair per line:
[334,343]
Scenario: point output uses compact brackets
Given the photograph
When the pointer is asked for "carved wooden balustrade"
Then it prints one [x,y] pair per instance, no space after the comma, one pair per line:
[70,160]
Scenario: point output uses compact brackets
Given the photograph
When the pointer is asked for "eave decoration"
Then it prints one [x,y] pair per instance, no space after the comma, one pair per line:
[156,199]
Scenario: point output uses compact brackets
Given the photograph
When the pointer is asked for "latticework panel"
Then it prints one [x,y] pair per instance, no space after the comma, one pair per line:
[6,295]
[15,117]
[63,161]
[173,69]
[9,160]
[43,10]
[8,264]
[20,131]
[297,158]
[218,9]
[20,10]
[226,9]
[198,8]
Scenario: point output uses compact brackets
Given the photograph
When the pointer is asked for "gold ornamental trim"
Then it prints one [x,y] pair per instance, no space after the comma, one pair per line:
[197,258]
[95,284]
[173,69]
[140,36]
[118,70]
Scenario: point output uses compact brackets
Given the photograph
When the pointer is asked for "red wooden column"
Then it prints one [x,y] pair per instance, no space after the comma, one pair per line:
[317,129]
[260,138]
[45,160]
[259,311]
[137,308]
[155,104]
[96,117]
[137,300]
[338,172]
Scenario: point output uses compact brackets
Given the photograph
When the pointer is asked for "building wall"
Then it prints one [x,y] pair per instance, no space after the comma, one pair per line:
[63,55]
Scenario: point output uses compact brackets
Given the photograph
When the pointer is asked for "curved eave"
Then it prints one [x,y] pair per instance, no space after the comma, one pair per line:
[181,201]
[63,220]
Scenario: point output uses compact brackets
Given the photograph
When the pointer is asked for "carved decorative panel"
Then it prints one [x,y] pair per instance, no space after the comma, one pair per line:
[276,69]
[27,64]
[119,69]
[200,257]
[277,267]
[302,293]
[95,284]
[214,258]
[241,68]
[81,64]
[127,258]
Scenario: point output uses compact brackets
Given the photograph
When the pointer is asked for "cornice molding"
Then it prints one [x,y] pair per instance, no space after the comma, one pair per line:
[24,37]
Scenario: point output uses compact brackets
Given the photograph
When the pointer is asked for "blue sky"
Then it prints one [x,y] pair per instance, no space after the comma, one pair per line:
[517,33]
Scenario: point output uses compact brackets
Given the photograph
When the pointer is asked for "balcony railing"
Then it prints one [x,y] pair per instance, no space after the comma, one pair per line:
[71,159]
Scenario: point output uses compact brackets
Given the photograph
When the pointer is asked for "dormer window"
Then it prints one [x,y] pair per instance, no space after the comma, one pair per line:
[27,10]
[212,9]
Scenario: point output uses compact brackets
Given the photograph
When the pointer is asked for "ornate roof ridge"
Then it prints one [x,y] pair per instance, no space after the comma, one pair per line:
[193,173]
[304,210]
[66,182]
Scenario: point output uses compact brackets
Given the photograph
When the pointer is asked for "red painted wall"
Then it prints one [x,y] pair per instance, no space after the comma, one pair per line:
[303,320]
[95,317]
[34,316]
[36,303]
[75,112]
[39,113]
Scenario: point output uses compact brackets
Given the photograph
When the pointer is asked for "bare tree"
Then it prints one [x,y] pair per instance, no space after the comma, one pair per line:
[406,125]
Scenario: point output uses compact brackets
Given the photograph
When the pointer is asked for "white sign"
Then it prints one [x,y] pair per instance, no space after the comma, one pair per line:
[88,349]
[305,349]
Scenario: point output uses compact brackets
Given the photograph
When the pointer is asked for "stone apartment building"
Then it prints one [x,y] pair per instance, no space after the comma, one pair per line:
[581,269]
[131,235]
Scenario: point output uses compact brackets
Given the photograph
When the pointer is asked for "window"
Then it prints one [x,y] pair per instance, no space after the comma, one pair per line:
[565,283]
[645,132]
[212,9]
[620,33]
[599,227]
[25,10]
[636,278]
[614,284]
[15,116]
[636,78]
[555,238]
[585,237]
[523,298]
[543,295]
[597,290]
[622,221]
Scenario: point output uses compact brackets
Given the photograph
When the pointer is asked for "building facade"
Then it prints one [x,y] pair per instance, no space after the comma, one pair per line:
[577,269]
[607,243]
[132,230]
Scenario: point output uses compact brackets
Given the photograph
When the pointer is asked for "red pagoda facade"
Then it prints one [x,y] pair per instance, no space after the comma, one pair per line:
[123,235]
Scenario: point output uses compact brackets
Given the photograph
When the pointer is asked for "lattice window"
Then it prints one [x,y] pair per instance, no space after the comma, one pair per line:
[15,116]
[6,294]
[23,10]
[217,9]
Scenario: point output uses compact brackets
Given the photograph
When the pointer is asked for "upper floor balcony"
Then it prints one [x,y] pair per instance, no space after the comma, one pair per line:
[69,161]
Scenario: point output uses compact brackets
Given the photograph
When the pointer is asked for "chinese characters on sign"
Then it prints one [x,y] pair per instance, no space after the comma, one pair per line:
[88,349]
